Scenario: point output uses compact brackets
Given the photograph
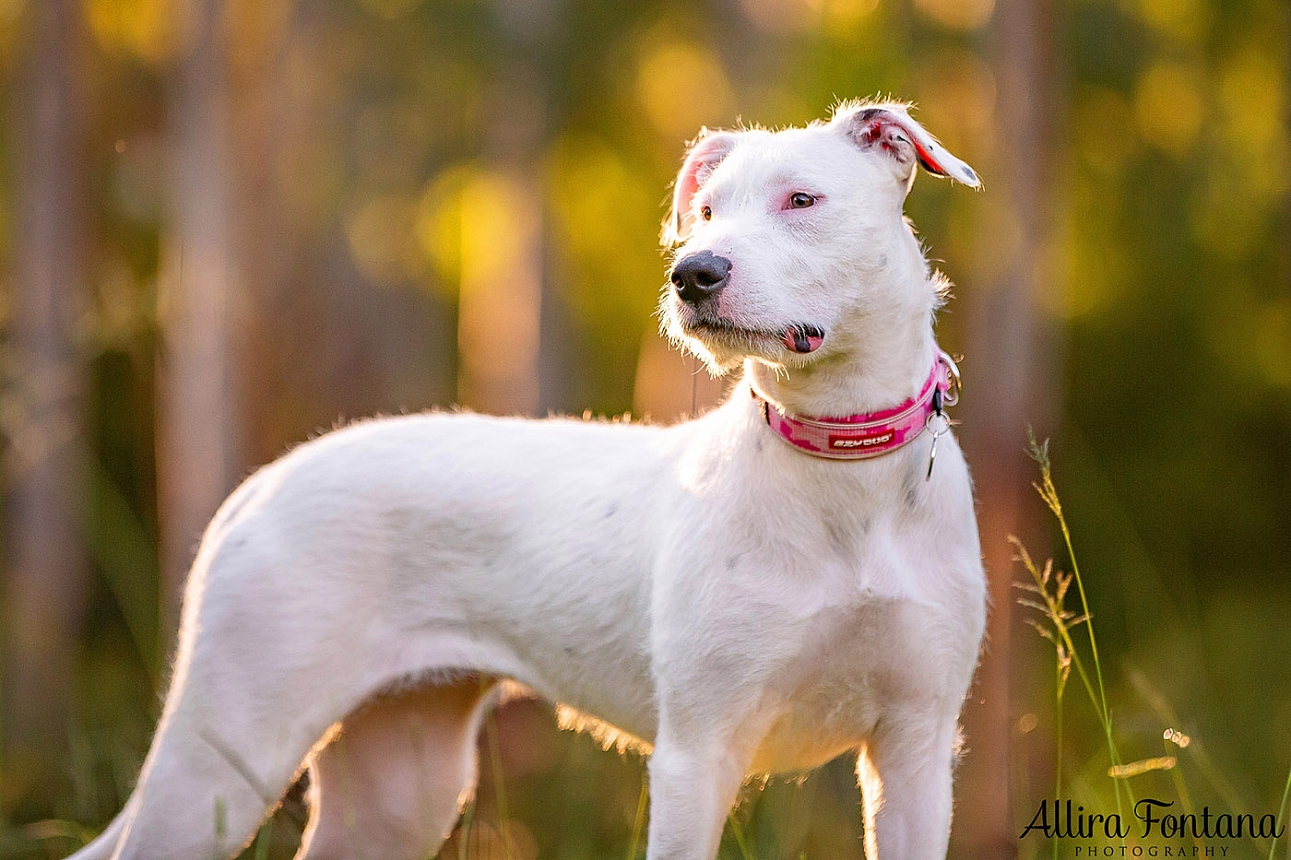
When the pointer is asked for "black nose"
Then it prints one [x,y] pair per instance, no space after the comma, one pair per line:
[699,276]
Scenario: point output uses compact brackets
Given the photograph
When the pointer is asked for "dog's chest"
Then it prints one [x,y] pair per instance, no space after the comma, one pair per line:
[834,612]
[842,668]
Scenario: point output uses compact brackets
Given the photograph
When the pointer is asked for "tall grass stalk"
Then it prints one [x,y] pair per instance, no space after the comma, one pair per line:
[738,832]
[638,824]
[263,840]
[1172,740]
[1052,589]
[499,786]
[464,831]
[1282,818]
[1061,674]
[1064,621]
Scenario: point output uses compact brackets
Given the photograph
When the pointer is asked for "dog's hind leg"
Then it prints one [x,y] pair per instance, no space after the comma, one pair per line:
[392,784]
[221,760]
[260,677]
[227,748]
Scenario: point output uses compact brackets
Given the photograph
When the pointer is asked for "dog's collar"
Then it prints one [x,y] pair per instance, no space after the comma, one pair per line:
[871,434]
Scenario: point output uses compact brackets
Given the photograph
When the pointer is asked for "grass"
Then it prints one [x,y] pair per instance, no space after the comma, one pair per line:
[1282,818]
[1047,594]
[638,823]
[1053,591]
[499,784]
[738,832]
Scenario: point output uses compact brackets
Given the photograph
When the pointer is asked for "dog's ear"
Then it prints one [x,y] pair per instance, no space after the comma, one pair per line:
[889,128]
[706,152]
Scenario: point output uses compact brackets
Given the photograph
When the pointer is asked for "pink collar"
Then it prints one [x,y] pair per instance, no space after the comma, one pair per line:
[870,434]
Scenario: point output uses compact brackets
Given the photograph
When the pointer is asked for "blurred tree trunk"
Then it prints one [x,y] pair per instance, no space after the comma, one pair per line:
[47,571]
[264,116]
[1013,383]
[509,362]
[198,410]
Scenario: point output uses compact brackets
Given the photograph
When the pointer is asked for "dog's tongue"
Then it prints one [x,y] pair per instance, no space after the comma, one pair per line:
[803,339]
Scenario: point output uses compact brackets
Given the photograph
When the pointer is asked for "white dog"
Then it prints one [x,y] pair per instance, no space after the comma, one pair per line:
[755,591]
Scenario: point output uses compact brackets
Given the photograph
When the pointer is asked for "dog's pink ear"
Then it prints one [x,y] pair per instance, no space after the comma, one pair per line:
[890,128]
[706,152]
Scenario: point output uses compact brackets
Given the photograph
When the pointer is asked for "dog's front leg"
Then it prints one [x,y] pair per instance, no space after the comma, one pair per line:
[905,772]
[693,785]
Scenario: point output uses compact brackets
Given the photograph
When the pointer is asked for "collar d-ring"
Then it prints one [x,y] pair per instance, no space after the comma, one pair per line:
[954,385]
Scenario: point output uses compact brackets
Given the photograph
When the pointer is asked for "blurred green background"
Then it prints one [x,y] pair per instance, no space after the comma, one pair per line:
[227,226]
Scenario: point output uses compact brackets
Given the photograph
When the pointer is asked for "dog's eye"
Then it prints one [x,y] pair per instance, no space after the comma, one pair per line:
[706,213]
[799,200]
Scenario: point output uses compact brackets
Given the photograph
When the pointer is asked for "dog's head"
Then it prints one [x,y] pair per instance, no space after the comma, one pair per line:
[785,242]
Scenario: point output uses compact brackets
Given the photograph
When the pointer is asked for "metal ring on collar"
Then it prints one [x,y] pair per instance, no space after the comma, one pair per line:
[954,385]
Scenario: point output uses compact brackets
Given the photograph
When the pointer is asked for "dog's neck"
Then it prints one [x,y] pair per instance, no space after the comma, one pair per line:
[886,366]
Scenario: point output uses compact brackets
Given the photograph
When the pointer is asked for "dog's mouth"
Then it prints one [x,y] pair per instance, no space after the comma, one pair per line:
[803,338]
[800,338]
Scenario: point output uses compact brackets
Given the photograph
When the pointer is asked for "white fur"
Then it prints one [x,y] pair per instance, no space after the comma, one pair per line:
[734,605]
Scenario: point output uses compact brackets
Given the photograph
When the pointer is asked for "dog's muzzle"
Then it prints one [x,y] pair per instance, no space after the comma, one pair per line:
[700,276]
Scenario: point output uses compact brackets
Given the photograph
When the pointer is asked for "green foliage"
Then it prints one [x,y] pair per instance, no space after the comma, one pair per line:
[1055,625]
